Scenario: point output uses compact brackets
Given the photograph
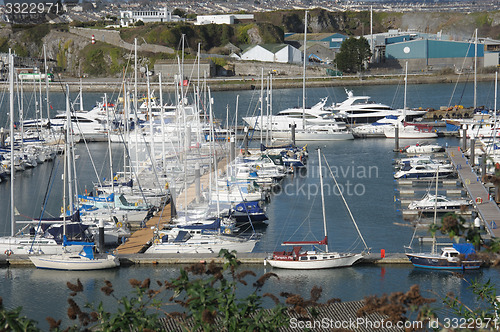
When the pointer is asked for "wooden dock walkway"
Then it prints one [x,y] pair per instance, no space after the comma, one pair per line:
[139,240]
[488,210]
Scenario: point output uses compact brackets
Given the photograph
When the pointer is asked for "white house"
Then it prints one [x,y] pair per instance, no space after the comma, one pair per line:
[222,19]
[130,17]
[283,53]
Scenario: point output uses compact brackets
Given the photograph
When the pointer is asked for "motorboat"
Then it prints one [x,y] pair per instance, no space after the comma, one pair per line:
[356,110]
[377,128]
[448,259]
[312,124]
[430,201]
[423,171]
[424,147]
[459,257]
[422,160]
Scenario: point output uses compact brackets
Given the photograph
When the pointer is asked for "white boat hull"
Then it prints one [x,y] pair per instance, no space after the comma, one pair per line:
[323,261]
[314,135]
[74,262]
[200,247]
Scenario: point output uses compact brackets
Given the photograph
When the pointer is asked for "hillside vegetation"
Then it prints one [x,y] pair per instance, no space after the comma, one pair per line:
[75,54]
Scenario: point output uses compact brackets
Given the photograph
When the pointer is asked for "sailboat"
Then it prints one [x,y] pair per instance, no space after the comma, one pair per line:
[449,257]
[298,259]
[86,258]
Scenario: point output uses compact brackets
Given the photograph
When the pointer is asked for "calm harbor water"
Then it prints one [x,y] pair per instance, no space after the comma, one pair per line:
[362,167]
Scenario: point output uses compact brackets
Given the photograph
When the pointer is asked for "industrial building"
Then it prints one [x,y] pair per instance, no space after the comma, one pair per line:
[223,19]
[169,69]
[428,52]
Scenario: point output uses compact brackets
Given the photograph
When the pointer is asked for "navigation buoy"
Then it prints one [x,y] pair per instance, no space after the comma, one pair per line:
[93,39]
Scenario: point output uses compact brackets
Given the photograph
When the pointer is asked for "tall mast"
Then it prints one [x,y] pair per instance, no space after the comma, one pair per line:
[475,71]
[435,212]
[322,198]
[262,105]
[69,141]
[304,75]
[47,82]
[109,144]
[11,134]
[371,32]
[136,127]
[162,117]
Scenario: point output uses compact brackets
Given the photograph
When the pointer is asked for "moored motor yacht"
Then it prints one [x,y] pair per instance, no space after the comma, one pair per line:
[430,201]
[361,110]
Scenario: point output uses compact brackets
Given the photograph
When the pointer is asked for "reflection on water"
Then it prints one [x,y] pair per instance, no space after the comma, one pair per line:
[44,293]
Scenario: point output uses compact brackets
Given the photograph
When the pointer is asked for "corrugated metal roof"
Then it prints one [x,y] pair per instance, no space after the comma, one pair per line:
[327,317]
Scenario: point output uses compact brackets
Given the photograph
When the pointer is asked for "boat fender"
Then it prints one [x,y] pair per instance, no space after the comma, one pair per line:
[119,224]
[8,252]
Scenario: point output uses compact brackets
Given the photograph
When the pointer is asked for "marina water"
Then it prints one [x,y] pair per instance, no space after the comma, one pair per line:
[363,168]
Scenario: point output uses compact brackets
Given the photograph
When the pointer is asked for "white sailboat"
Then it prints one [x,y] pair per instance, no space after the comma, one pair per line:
[310,260]
[86,259]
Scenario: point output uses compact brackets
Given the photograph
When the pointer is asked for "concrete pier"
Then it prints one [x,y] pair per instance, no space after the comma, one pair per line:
[487,209]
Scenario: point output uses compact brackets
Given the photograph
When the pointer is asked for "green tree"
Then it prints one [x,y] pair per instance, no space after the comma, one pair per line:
[353,54]
[179,12]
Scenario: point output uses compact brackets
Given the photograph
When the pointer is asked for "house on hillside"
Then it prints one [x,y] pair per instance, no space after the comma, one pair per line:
[282,53]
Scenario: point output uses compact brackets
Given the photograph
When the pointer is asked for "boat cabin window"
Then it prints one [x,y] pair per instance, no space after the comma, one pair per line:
[303,258]
[313,257]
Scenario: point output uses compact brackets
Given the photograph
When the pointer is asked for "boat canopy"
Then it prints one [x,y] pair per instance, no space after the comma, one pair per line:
[464,248]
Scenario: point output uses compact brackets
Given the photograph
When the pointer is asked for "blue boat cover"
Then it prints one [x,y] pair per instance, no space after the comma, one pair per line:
[214,225]
[182,236]
[464,248]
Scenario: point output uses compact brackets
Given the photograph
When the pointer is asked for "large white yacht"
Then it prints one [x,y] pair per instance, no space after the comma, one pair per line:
[312,124]
[361,110]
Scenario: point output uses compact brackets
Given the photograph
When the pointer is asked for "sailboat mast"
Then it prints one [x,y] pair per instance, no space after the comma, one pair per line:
[69,141]
[304,75]
[136,127]
[11,134]
[322,198]
[435,212]
[109,144]
[47,82]
[475,71]
[262,106]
